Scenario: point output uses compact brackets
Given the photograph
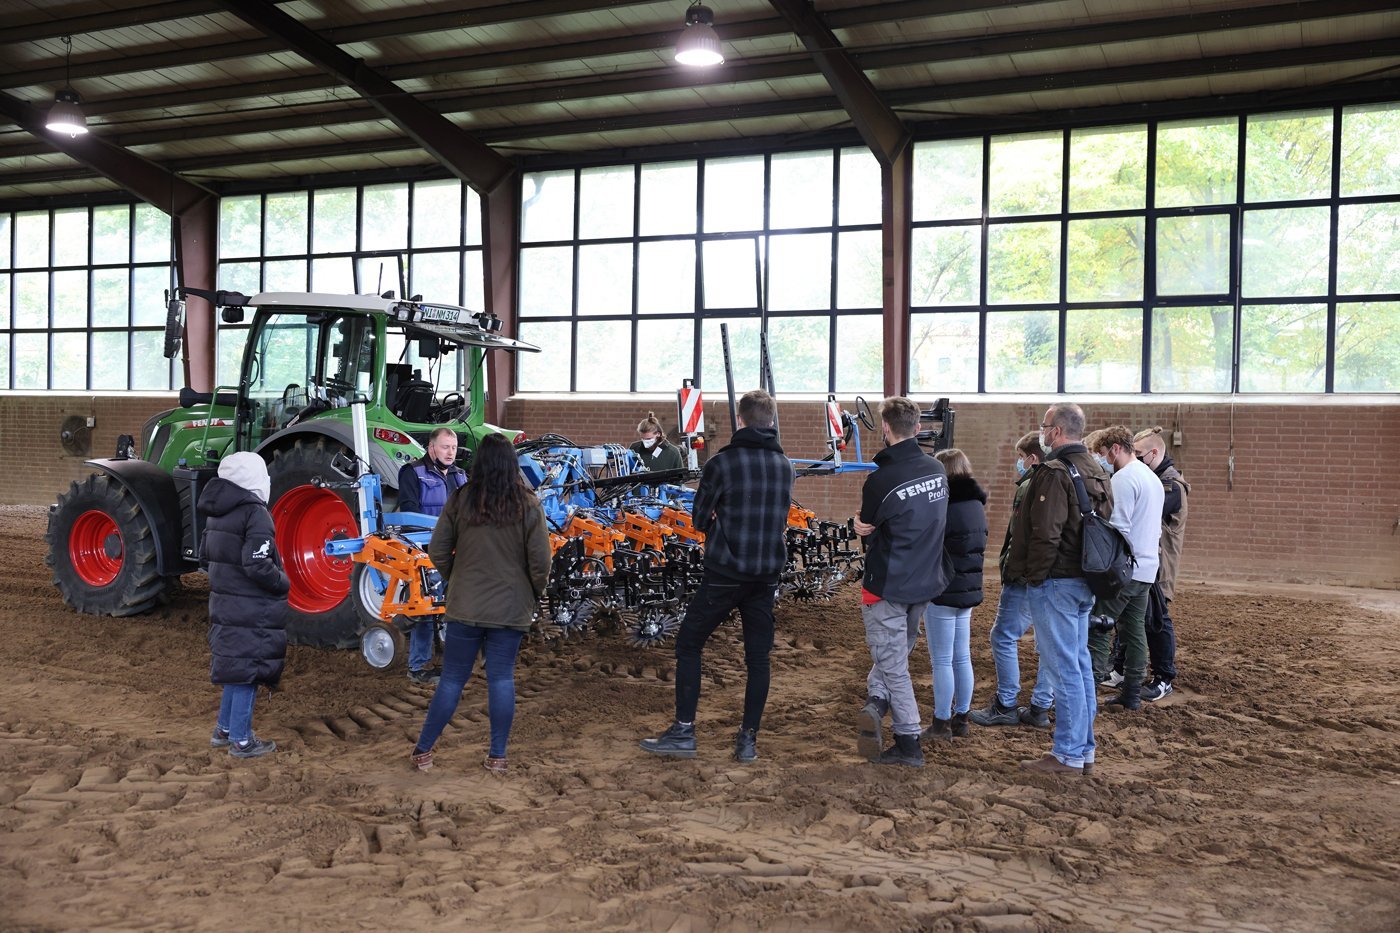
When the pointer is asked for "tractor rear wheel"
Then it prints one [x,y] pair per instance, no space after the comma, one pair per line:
[322,609]
[102,550]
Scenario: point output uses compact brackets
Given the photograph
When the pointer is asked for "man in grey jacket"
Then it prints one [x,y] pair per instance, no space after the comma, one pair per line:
[903,513]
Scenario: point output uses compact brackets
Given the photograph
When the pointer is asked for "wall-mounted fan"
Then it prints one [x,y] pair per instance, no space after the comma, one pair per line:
[75,435]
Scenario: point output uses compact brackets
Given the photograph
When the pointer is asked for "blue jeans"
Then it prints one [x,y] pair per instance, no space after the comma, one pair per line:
[1012,622]
[236,711]
[420,645]
[1060,612]
[465,643]
[948,636]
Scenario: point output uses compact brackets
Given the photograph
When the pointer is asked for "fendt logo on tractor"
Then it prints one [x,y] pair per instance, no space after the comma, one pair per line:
[119,539]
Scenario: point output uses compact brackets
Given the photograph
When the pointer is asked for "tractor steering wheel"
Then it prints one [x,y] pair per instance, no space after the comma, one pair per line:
[450,407]
[863,413]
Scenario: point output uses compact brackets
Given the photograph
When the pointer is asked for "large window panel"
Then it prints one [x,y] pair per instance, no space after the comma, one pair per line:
[1022,347]
[379,274]
[948,179]
[70,299]
[70,355]
[334,276]
[111,294]
[32,300]
[1192,349]
[1370,158]
[547,206]
[148,298]
[285,216]
[859,269]
[605,198]
[240,225]
[547,280]
[799,274]
[548,370]
[333,222]
[1103,350]
[605,279]
[666,277]
[668,192]
[943,352]
[436,276]
[1283,348]
[665,354]
[1023,263]
[1368,346]
[1105,259]
[604,349]
[152,234]
[6,225]
[32,240]
[733,194]
[31,353]
[799,347]
[743,348]
[800,193]
[860,356]
[1368,249]
[285,275]
[1108,169]
[947,266]
[472,225]
[384,218]
[70,237]
[111,235]
[1285,252]
[473,281]
[109,360]
[4,306]
[437,213]
[1026,172]
[1197,162]
[5,361]
[859,194]
[1193,254]
[148,346]
[729,273]
[246,277]
[231,343]
[1288,156]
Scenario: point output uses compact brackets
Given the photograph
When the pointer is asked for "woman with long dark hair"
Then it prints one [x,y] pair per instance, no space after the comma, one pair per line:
[492,548]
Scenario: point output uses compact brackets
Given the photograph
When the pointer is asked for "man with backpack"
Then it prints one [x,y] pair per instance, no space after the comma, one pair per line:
[1046,549]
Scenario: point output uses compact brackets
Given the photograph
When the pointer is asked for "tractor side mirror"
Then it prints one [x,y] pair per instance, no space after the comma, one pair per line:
[232,315]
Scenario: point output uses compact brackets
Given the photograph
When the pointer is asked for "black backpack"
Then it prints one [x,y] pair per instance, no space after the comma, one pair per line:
[1106,557]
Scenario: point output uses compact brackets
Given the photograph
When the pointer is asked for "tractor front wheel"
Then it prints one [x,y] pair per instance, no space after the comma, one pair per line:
[102,550]
[322,609]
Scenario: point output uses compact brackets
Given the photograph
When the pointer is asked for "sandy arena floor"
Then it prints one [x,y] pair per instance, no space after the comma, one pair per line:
[1264,795]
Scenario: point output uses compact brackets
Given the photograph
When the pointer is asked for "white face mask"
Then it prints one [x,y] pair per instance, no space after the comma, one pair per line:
[648,442]
[1044,446]
[1103,462]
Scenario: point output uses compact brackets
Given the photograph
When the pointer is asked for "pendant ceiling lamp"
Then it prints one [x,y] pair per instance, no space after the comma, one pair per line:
[698,45]
[66,114]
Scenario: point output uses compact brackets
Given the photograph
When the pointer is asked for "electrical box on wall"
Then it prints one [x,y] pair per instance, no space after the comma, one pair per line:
[1176,438]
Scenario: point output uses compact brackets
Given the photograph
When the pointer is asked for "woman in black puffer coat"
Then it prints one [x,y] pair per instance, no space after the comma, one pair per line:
[948,618]
[247,598]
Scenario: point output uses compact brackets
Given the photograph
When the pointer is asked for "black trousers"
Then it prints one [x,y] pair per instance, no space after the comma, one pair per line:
[709,607]
[1161,638]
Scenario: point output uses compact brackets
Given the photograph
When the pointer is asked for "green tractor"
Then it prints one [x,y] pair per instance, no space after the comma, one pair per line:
[119,539]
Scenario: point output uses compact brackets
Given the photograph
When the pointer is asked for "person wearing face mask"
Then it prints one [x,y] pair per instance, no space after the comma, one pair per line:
[1013,620]
[1151,449]
[424,486]
[656,452]
[1046,558]
[1137,513]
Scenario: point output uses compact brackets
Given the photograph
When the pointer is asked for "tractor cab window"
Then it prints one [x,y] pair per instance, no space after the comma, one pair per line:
[281,366]
[349,358]
[423,378]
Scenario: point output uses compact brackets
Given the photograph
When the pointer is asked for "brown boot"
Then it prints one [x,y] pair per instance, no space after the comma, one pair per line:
[940,730]
[959,725]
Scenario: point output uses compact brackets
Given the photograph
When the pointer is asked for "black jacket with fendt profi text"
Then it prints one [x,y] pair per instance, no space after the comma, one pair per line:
[742,505]
[906,499]
[247,587]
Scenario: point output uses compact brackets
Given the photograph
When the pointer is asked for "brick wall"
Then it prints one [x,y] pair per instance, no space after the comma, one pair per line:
[1315,497]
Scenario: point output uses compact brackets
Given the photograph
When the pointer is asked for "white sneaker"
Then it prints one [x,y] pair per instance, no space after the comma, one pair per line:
[1112,681]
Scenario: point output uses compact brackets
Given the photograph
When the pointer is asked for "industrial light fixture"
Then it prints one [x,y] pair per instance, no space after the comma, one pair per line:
[698,44]
[66,114]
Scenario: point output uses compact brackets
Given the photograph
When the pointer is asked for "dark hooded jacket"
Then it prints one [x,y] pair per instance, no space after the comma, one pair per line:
[1175,489]
[906,499]
[1046,530]
[247,587]
[964,543]
[742,507]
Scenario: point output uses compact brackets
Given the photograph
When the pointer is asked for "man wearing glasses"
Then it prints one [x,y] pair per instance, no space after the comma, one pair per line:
[1046,558]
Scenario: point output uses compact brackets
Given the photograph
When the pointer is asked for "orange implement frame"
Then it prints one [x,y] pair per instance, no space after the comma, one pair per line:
[798,517]
[682,524]
[598,539]
[404,567]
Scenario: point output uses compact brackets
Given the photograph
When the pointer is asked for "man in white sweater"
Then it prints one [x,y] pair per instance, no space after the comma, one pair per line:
[1137,513]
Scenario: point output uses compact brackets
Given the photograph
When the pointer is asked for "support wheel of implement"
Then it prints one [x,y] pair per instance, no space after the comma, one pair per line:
[383,646]
[323,609]
[369,586]
[102,550]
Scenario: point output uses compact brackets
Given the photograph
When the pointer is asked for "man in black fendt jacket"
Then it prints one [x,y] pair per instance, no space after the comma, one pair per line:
[741,505]
[903,514]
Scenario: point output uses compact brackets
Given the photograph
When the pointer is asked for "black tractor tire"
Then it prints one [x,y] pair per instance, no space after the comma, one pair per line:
[318,614]
[102,550]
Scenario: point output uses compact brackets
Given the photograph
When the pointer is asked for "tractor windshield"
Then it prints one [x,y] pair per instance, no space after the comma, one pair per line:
[426,377]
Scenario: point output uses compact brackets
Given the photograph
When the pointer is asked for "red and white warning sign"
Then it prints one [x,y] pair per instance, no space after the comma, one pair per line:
[692,410]
[833,421]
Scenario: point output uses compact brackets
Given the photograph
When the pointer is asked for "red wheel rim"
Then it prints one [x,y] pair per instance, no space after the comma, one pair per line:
[95,548]
[306,518]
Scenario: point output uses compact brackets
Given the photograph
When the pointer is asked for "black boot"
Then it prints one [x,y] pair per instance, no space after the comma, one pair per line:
[1037,717]
[904,751]
[940,729]
[746,746]
[869,736]
[676,742]
[959,725]
[1129,696]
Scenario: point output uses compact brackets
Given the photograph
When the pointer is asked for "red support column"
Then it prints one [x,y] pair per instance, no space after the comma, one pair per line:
[197,236]
[500,229]
[896,195]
